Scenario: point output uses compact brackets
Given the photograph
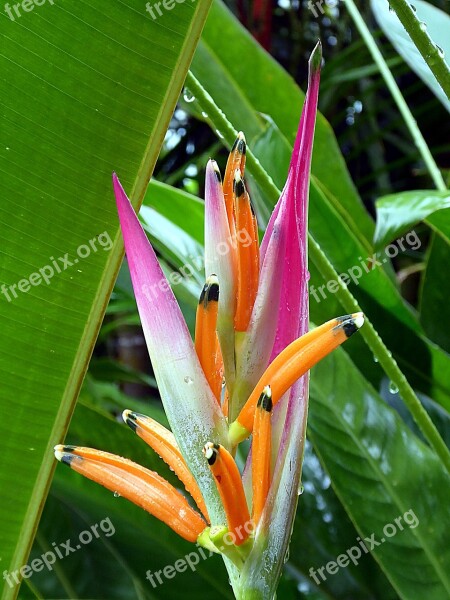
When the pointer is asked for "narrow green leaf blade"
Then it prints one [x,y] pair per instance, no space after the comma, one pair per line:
[86,89]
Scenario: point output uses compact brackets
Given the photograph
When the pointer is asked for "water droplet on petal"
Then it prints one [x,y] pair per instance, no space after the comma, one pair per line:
[116,495]
[188,380]
[393,389]
[301,489]
[187,96]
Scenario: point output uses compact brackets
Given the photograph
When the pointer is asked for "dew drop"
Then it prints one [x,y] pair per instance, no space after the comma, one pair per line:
[219,135]
[413,7]
[116,495]
[204,114]
[393,389]
[188,380]
[375,359]
[423,26]
[440,52]
[187,96]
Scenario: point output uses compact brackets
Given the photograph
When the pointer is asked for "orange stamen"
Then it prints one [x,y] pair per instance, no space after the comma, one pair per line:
[261,452]
[247,255]
[292,363]
[164,444]
[229,484]
[137,484]
[206,343]
[236,160]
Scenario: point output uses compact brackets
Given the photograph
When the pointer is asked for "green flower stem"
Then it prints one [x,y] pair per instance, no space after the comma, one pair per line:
[397,95]
[424,44]
[219,122]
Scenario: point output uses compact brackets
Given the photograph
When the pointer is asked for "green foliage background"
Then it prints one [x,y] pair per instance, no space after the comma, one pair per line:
[87,89]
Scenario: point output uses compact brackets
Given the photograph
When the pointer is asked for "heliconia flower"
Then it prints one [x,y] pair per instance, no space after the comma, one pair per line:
[245,375]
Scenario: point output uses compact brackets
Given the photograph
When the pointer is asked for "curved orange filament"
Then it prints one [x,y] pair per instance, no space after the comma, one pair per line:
[206,344]
[247,255]
[293,362]
[236,160]
[261,453]
[229,485]
[137,484]
[163,442]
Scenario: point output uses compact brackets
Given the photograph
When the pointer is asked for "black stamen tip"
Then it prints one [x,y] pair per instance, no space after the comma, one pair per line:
[265,400]
[213,293]
[349,327]
[242,147]
[131,421]
[211,451]
[351,323]
[67,459]
[239,188]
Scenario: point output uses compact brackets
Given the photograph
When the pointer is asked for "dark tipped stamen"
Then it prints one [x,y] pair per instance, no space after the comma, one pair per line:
[213,293]
[210,291]
[241,146]
[238,187]
[67,459]
[349,327]
[265,400]
[350,323]
[211,451]
[130,420]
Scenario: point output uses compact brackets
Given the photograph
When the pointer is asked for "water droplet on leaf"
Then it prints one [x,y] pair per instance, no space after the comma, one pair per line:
[393,389]
[187,96]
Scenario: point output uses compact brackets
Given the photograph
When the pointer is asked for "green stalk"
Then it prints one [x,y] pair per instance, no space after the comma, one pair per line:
[424,44]
[219,122]
[416,134]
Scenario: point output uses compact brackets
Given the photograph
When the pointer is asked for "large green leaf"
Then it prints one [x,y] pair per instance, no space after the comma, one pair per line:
[85,89]
[365,448]
[397,213]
